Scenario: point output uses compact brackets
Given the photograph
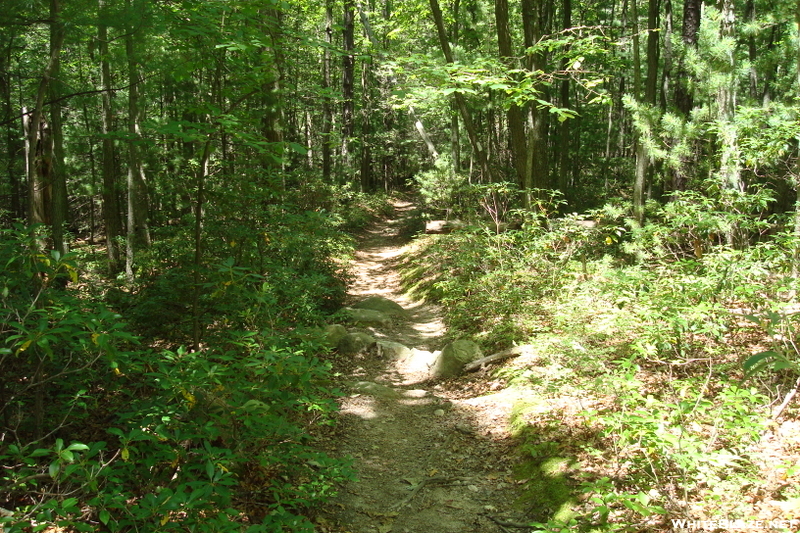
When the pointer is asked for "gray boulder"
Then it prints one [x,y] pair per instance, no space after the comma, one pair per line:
[366,317]
[454,357]
[355,343]
[384,305]
[443,226]
[333,334]
[393,351]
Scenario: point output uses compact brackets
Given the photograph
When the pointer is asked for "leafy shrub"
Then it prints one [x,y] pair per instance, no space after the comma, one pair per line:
[213,440]
[444,191]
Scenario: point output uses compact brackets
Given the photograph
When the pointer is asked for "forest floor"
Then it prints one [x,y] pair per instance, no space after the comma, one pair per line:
[430,456]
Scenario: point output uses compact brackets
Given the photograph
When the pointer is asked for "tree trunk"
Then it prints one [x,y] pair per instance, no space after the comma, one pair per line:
[273,110]
[515,114]
[111,208]
[478,149]
[58,174]
[729,169]
[651,85]
[327,111]
[534,22]
[348,81]
[138,232]
[564,167]
[39,145]
[14,147]
[365,172]
[796,254]
[684,98]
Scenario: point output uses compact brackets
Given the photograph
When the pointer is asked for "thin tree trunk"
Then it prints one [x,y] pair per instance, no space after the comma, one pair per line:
[515,114]
[348,81]
[534,23]
[478,149]
[730,169]
[14,146]
[38,141]
[365,172]
[58,174]
[111,208]
[796,258]
[684,98]
[564,167]
[199,212]
[651,85]
[273,110]
[138,232]
[327,111]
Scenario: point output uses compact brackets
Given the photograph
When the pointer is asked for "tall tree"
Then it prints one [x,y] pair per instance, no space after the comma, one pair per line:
[535,16]
[39,141]
[651,84]
[348,81]
[515,113]
[111,209]
[564,167]
[138,231]
[729,166]
[689,32]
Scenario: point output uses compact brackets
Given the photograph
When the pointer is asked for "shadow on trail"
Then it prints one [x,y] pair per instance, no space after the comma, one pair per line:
[430,456]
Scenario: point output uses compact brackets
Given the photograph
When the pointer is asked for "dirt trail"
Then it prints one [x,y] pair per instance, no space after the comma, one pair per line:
[429,457]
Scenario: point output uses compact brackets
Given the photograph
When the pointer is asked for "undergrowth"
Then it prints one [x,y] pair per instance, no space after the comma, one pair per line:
[110,421]
[641,341]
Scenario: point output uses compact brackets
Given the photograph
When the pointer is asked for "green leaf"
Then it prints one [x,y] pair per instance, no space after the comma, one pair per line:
[104,516]
[754,360]
[54,469]
[77,446]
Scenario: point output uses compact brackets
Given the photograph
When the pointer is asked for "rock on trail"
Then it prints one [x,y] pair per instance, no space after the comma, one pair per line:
[427,461]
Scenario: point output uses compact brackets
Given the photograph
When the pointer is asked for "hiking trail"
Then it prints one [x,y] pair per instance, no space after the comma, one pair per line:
[430,456]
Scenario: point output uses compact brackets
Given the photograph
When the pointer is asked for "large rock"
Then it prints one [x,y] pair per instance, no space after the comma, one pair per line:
[366,317]
[443,226]
[355,343]
[454,356]
[393,351]
[384,305]
[333,334]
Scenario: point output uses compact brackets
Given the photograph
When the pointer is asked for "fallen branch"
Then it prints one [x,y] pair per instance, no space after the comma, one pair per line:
[786,400]
[505,354]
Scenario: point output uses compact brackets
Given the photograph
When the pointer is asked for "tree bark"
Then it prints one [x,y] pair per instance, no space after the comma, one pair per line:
[14,147]
[111,208]
[534,23]
[327,111]
[564,167]
[478,149]
[39,143]
[684,98]
[138,232]
[730,168]
[515,114]
[57,172]
[348,81]
[651,85]
[796,251]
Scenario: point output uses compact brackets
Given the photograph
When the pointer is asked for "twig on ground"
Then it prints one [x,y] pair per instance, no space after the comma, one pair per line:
[505,354]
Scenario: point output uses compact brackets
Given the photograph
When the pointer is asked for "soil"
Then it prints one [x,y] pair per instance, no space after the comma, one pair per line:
[429,456]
